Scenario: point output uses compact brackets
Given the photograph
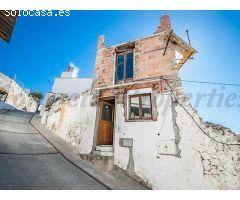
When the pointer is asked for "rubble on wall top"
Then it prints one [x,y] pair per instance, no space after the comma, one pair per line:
[218,127]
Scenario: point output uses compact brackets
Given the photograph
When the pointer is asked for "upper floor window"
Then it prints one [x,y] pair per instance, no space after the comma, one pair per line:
[124,67]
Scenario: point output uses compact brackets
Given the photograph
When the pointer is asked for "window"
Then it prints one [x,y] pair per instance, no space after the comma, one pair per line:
[124,65]
[140,106]
[107,111]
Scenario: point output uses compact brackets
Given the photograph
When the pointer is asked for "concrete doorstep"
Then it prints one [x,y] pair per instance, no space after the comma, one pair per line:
[114,179]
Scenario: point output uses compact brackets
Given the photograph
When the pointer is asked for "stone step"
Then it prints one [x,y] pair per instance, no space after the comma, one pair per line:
[104,148]
[102,153]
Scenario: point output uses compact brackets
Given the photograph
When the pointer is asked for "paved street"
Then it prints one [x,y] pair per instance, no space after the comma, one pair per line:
[29,161]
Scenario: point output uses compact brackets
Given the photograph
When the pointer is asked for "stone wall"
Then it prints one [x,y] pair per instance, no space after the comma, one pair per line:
[72,119]
[16,96]
[220,164]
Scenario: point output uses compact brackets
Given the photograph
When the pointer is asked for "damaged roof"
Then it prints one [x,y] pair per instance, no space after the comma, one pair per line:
[171,39]
[7,24]
[181,46]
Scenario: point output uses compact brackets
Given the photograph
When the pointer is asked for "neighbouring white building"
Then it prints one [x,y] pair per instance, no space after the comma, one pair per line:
[69,83]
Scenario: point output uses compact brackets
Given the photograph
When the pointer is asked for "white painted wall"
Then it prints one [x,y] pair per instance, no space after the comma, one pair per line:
[71,86]
[71,72]
[74,121]
[202,164]
[150,163]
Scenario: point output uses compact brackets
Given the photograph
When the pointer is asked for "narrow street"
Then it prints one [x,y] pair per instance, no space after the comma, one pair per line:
[29,161]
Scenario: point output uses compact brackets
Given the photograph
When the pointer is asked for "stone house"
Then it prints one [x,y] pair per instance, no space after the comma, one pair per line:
[133,114]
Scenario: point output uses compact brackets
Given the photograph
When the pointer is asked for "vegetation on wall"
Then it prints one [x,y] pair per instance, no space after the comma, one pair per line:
[37,96]
[2,91]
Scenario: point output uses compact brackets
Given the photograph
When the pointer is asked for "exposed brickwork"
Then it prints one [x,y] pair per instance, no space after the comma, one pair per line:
[101,42]
[104,67]
[158,86]
[165,24]
[149,61]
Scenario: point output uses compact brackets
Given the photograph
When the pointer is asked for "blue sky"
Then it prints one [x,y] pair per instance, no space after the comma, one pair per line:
[42,47]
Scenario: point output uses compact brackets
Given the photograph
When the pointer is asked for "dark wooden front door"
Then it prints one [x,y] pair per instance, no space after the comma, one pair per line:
[106,123]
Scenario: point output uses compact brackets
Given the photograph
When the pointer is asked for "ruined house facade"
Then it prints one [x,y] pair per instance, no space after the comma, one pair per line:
[131,115]
[129,78]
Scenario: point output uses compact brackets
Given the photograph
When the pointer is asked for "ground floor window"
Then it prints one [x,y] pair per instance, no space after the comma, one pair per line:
[140,107]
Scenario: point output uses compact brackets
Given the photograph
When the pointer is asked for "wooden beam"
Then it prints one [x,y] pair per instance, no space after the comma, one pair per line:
[186,56]
[169,37]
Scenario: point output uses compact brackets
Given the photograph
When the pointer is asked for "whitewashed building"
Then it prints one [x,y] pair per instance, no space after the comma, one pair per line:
[69,83]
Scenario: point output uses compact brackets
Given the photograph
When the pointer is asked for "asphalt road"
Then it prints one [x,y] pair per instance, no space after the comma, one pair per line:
[28,161]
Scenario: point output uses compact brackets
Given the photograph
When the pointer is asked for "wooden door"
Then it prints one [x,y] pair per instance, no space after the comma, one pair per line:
[106,124]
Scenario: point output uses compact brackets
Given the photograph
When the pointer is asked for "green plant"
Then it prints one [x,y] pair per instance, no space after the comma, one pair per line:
[37,96]
[2,91]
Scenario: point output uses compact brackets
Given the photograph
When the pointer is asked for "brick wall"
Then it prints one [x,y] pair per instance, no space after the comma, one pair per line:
[148,58]
[104,67]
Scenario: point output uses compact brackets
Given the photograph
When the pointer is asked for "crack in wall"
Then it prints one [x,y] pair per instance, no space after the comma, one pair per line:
[130,167]
[176,129]
[131,172]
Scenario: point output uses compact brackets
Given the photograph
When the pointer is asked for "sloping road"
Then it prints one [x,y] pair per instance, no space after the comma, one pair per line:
[29,161]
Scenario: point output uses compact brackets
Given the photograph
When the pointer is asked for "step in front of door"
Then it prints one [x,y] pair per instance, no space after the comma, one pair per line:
[102,153]
[104,148]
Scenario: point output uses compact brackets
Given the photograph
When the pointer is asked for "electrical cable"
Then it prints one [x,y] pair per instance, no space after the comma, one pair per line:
[205,82]
[223,143]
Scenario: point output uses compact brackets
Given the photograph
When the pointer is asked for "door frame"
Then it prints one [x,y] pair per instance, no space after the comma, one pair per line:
[106,99]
